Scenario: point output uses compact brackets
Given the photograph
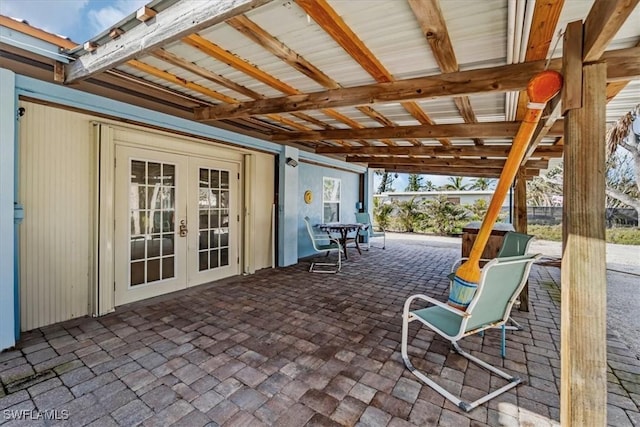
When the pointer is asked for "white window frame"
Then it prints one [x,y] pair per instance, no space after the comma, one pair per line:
[334,200]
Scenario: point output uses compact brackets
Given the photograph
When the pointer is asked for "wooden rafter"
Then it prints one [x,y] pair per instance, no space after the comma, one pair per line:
[36,32]
[279,50]
[146,68]
[546,16]
[334,25]
[256,33]
[461,130]
[622,64]
[172,24]
[442,161]
[613,89]
[434,29]
[502,150]
[448,170]
[205,73]
[602,23]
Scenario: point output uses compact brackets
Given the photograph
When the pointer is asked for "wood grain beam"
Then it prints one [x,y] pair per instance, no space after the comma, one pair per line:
[544,22]
[172,24]
[583,343]
[602,24]
[502,150]
[215,51]
[434,28]
[448,170]
[173,59]
[461,130]
[332,23]
[146,68]
[256,33]
[260,36]
[622,64]
[442,161]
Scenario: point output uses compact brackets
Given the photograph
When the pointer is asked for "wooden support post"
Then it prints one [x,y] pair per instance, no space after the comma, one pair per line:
[584,297]
[520,223]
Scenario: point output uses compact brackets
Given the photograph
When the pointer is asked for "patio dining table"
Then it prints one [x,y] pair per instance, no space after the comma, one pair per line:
[344,230]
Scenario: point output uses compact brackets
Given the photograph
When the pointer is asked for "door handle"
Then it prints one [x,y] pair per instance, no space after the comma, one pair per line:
[183,229]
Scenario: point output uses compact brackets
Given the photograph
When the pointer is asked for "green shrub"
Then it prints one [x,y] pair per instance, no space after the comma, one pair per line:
[623,236]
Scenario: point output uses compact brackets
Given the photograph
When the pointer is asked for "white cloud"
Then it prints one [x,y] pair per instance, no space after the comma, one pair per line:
[55,16]
[103,18]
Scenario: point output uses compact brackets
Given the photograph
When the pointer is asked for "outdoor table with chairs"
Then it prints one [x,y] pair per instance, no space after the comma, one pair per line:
[344,230]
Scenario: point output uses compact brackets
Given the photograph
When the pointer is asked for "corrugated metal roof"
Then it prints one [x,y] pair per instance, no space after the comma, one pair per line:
[389,29]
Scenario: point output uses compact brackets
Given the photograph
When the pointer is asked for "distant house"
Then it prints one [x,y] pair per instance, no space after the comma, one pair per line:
[467,197]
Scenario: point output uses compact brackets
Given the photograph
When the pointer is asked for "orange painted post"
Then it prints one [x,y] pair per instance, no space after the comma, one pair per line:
[540,89]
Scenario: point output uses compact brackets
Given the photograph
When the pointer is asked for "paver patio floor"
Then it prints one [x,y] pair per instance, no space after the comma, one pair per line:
[286,347]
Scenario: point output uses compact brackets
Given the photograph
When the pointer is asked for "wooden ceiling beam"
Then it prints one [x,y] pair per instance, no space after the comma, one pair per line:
[450,171]
[172,24]
[544,22]
[146,68]
[173,59]
[501,150]
[333,24]
[622,64]
[434,28]
[440,161]
[461,130]
[603,22]
[260,36]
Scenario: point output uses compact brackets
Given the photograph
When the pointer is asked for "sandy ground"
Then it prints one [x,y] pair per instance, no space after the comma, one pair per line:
[623,281]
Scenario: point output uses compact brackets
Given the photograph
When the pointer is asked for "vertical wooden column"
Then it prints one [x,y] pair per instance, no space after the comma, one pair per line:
[520,217]
[520,224]
[583,323]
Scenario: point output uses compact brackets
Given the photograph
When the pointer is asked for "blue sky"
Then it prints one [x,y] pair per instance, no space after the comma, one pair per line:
[78,20]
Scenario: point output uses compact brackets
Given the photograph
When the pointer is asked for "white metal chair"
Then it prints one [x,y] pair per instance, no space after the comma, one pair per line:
[369,233]
[501,281]
[323,242]
[513,244]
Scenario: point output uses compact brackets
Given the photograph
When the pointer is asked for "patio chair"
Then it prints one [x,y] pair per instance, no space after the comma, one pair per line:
[514,244]
[501,281]
[323,242]
[369,232]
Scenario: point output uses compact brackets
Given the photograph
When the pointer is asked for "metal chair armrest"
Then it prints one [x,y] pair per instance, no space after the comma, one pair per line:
[433,301]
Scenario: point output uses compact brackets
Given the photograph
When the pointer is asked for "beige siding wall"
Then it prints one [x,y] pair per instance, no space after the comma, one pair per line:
[58,157]
[57,190]
[263,201]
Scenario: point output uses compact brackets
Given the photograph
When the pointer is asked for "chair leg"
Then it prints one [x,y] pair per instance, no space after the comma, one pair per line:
[465,406]
[503,342]
[312,268]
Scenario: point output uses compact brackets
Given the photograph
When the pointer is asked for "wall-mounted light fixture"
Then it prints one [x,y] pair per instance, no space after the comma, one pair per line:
[291,162]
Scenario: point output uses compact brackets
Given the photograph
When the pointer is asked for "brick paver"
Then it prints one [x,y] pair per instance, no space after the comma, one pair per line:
[285,347]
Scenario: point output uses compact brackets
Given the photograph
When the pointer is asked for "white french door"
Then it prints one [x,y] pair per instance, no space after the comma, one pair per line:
[176,222]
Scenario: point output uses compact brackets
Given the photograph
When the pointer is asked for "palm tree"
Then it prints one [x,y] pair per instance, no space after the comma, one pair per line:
[455,183]
[430,186]
[414,183]
[622,135]
[443,215]
[386,183]
[482,184]
[408,214]
[382,212]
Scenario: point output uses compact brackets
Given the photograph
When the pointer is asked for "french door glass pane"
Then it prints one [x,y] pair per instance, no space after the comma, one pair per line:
[152,221]
[214,219]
